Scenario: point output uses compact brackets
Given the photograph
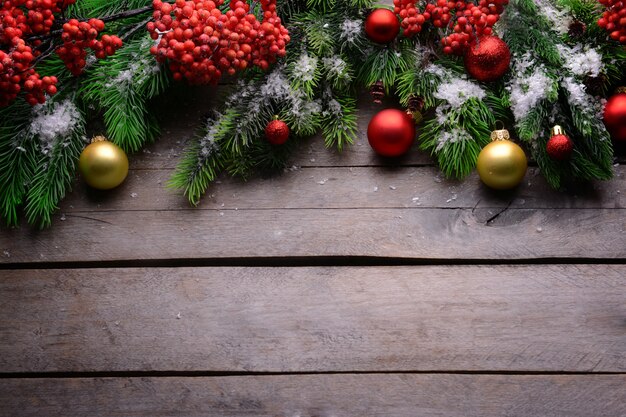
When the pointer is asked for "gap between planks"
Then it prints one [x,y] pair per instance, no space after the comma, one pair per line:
[219,374]
[305,262]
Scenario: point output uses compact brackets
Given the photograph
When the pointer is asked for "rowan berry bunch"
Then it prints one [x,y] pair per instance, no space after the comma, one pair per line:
[462,22]
[26,32]
[613,19]
[78,36]
[202,43]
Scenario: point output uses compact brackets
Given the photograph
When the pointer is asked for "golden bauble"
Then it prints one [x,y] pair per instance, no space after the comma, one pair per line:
[502,164]
[103,164]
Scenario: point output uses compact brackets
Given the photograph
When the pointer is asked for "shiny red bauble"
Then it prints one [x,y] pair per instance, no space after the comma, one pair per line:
[560,148]
[391,132]
[277,132]
[382,26]
[487,59]
[615,117]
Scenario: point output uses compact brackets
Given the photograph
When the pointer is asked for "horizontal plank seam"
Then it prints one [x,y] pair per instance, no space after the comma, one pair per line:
[224,209]
[146,374]
[312,261]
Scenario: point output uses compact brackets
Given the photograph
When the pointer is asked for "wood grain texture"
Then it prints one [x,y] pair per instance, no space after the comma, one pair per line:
[424,318]
[362,187]
[319,395]
[412,233]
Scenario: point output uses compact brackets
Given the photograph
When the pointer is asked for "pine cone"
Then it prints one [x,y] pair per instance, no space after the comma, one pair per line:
[377,91]
[577,29]
[415,104]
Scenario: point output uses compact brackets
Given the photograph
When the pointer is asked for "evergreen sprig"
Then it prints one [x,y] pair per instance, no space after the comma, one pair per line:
[122,87]
[52,182]
[18,159]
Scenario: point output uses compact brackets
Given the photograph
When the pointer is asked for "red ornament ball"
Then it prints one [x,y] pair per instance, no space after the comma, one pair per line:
[615,117]
[391,132]
[382,26]
[277,132]
[560,148]
[488,58]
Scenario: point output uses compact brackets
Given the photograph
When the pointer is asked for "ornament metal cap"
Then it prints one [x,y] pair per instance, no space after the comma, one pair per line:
[501,134]
[620,90]
[557,130]
[98,138]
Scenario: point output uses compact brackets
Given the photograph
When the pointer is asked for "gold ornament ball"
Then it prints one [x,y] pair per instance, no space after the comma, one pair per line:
[502,164]
[103,164]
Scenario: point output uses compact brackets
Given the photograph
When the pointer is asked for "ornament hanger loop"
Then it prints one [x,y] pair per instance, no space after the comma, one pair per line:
[500,134]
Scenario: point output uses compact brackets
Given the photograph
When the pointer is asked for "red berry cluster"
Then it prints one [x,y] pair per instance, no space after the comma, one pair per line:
[201,42]
[614,19]
[17,75]
[25,31]
[78,36]
[465,20]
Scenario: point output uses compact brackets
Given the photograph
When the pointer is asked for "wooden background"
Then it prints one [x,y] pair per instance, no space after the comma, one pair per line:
[348,286]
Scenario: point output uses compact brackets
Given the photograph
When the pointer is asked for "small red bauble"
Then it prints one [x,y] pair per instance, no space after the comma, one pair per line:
[277,132]
[559,147]
[488,59]
[391,132]
[615,116]
[382,26]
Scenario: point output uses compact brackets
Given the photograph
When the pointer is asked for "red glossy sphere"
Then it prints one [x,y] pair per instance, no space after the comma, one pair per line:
[391,132]
[615,117]
[277,132]
[382,26]
[488,59]
[560,148]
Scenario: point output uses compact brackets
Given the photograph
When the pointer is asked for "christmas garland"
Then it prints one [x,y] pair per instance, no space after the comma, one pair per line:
[462,66]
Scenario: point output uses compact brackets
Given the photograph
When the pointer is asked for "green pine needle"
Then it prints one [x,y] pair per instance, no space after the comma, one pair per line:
[55,175]
[339,129]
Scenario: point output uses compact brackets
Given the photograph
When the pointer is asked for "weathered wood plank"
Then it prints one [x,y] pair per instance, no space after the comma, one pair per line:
[413,233]
[373,187]
[424,318]
[319,395]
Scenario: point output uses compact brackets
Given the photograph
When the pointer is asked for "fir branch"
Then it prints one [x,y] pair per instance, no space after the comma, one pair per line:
[55,175]
[456,136]
[339,125]
[305,74]
[203,161]
[122,86]
[415,82]
[18,160]
[320,28]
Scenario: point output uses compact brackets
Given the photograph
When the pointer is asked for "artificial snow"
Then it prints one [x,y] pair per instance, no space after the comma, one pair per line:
[52,121]
[304,69]
[457,91]
[351,29]
[576,92]
[208,146]
[453,89]
[581,61]
[560,19]
[333,107]
[527,91]
[335,66]
[455,135]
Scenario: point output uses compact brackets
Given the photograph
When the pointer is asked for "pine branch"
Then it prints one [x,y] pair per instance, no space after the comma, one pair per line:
[339,125]
[18,161]
[122,86]
[456,136]
[55,175]
[204,159]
